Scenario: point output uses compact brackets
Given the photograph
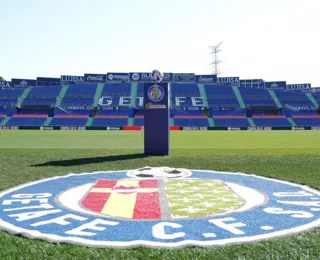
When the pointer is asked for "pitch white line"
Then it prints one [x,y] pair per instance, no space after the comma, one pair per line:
[172,147]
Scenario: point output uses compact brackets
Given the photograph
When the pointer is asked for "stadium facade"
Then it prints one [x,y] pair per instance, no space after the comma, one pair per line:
[115,101]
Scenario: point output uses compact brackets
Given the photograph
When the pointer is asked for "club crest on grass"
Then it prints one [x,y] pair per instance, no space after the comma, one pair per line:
[158,207]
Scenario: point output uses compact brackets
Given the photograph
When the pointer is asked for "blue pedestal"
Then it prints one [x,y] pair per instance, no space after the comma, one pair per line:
[156,119]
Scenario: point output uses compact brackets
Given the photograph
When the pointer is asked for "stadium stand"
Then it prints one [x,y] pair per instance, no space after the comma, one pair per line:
[185,95]
[139,118]
[116,95]
[306,120]
[111,118]
[193,118]
[270,120]
[9,98]
[192,105]
[292,100]
[79,95]
[256,97]
[316,96]
[221,97]
[25,119]
[230,118]
[139,98]
[42,96]
[231,121]
[69,121]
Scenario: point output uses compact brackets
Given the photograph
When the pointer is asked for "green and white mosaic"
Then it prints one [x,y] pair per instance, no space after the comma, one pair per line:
[195,198]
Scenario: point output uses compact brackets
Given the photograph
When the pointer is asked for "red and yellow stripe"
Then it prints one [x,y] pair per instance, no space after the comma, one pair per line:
[135,199]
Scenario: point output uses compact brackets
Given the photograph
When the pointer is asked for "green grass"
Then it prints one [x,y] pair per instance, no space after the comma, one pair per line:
[287,155]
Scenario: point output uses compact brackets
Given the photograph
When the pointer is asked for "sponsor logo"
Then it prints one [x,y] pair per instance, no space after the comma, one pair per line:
[167,77]
[259,128]
[112,128]
[297,128]
[315,90]
[118,77]
[5,84]
[24,83]
[9,128]
[298,87]
[135,76]
[42,81]
[73,128]
[275,85]
[206,79]
[72,79]
[146,76]
[195,128]
[155,93]
[234,128]
[46,128]
[155,106]
[95,78]
[184,77]
[228,80]
[159,207]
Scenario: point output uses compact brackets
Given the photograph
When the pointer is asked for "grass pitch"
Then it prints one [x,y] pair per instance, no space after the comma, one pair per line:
[288,155]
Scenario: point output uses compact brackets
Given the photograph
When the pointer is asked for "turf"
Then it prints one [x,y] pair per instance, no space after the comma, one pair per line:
[289,155]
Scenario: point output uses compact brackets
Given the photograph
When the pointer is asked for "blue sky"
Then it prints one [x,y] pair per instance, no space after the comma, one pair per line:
[268,39]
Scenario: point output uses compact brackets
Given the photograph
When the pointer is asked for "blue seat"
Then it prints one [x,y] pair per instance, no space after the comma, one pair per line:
[68,121]
[221,97]
[25,121]
[231,121]
[268,122]
[110,121]
[256,97]
[307,121]
[196,122]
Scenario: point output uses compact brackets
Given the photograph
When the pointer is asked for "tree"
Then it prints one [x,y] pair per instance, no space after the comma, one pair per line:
[2,79]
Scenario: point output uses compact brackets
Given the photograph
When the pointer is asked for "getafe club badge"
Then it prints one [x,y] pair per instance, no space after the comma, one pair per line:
[155,93]
[159,207]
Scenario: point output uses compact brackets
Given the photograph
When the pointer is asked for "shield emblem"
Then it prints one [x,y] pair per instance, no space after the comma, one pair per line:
[160,199]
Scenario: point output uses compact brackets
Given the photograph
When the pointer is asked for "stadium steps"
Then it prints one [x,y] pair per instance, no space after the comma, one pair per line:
[134,90]
[252,123]
[170,95]
[89,121]
[61,95]
[275,98]
[171,121]
[23,96]
[292,122]
[238,96]
[5,120]
[312,99]
[48,121]
[130,121]
[97,95]
[203,95]
[211,121]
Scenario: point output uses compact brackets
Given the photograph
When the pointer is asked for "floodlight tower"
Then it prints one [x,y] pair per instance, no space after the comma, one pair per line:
[215,62]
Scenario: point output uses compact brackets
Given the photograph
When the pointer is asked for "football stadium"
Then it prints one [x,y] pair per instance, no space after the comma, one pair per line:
[228,127]
[154,164]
